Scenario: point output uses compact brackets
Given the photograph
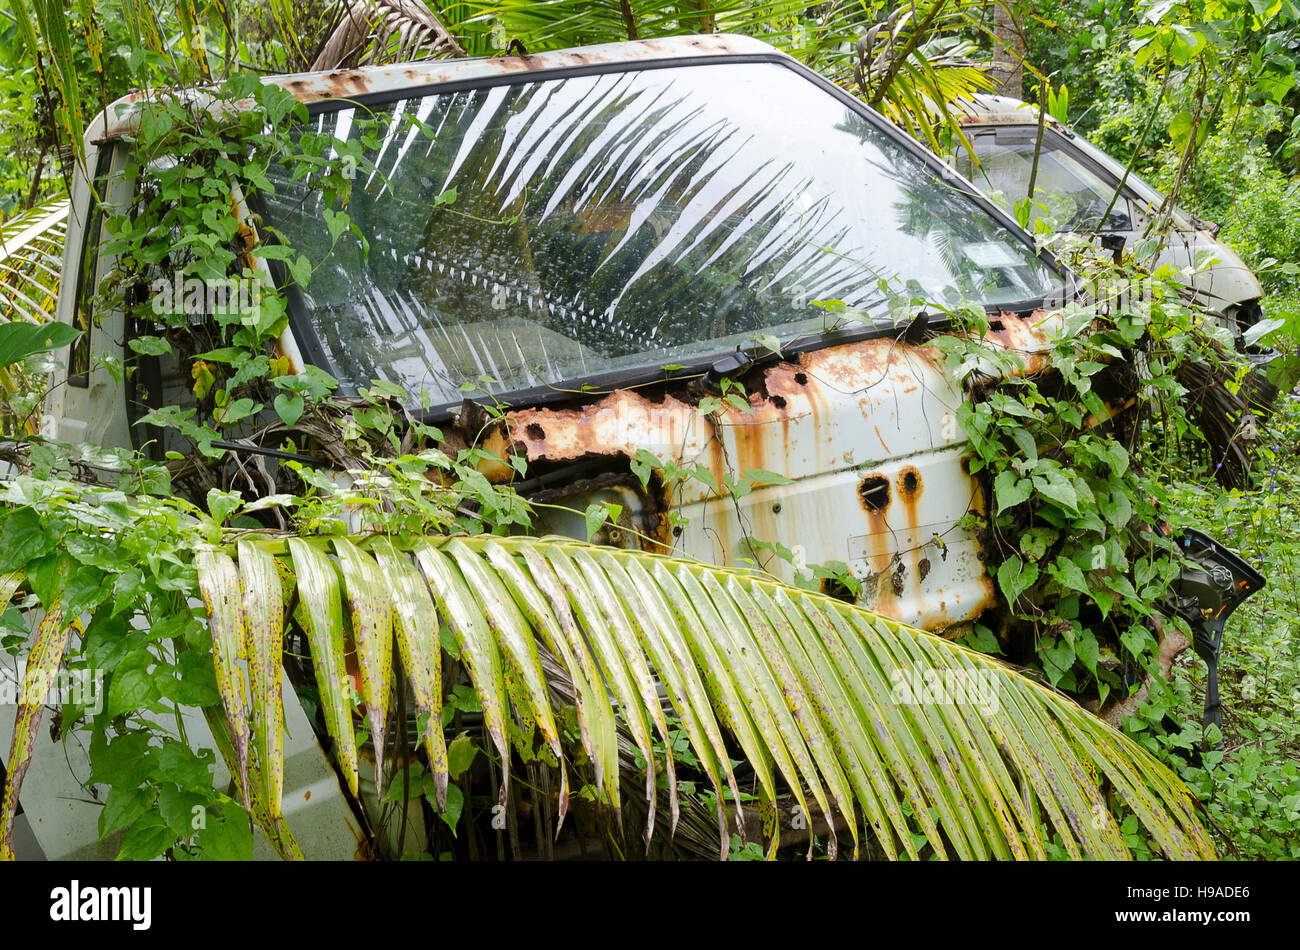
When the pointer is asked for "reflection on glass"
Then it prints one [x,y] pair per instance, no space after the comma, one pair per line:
[625,220]
[1068,194]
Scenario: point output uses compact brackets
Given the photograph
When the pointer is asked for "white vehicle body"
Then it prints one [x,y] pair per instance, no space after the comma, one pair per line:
[1003,132]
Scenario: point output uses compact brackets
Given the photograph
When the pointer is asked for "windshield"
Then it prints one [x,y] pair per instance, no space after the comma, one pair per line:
[525,235]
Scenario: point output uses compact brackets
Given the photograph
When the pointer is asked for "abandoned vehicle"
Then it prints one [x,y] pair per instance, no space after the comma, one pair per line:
[693,251]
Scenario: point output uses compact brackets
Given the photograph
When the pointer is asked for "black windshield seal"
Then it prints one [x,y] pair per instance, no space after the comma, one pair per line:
[586,388]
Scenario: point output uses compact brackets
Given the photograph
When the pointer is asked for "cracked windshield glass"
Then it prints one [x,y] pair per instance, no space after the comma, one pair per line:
[528,235]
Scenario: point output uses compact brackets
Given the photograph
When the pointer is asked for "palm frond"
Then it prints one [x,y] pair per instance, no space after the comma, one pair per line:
[31,260]
[827,701]
[42,664]
[915,64]
[384,31]
[556,24]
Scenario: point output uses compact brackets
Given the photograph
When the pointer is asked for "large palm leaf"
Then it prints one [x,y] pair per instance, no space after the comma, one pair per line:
[917,62]
[31,260]
[31,263]
[378,31]
[819,696]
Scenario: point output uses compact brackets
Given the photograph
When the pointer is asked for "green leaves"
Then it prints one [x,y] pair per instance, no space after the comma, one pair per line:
[1015,577]
[1010,490]
[1056,486]
[598,514]
[19,340]
[289,408]
[131,687]
[150,345]
[1069,506]
[24,538]
[460,754]
[123,807]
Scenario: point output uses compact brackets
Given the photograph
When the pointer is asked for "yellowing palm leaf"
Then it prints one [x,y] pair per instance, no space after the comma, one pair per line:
[31,260]
[380,31]
[825,699]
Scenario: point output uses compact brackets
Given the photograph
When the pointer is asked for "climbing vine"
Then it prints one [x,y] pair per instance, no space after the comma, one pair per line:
[1076,446]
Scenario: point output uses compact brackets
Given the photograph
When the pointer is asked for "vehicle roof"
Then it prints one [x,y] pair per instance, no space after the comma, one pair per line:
[985,109]
[122,117]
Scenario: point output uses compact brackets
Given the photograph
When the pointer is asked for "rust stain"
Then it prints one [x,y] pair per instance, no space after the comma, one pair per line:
[883,444]
[619,424]
[114,122]
[721,519]
[910,486]
[848,367]
[1024,336]
[247,235]
[879,559]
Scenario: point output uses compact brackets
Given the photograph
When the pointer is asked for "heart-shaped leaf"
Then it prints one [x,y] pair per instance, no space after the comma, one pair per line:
[289,408]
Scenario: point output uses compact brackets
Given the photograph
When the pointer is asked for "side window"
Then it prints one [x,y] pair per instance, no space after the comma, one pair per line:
[156,381]
[83,317]
[1068,193]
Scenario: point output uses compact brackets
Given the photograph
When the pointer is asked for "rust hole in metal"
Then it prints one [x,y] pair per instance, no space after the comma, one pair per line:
[911,481]
[801,379]
[874,491]
[535,432]
[778,401]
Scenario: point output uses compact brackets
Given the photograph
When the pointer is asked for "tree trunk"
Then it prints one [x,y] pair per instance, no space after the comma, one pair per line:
[1008,51]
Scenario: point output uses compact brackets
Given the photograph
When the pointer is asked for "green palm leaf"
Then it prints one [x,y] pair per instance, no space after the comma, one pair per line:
[813,691]
[320,614]
[415,622]
[219,582]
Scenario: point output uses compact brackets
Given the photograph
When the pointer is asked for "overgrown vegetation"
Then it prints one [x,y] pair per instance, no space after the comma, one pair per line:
[1073,494]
